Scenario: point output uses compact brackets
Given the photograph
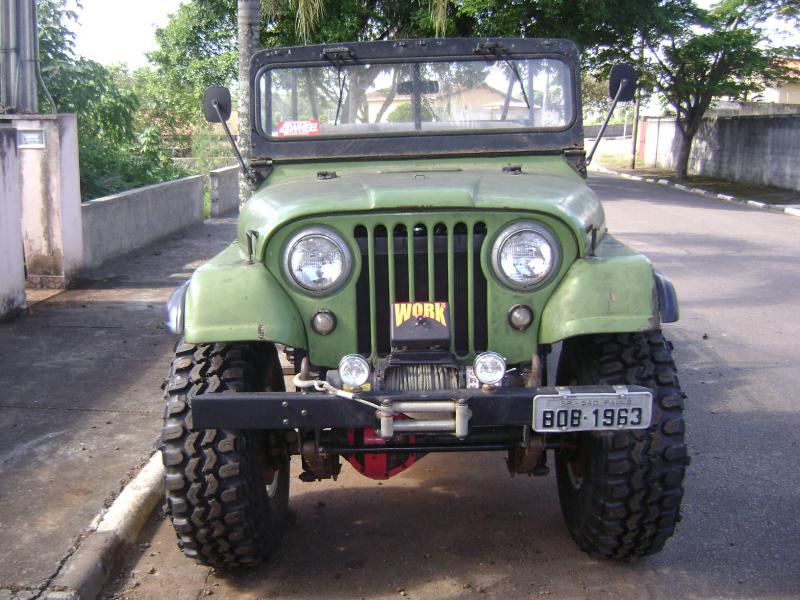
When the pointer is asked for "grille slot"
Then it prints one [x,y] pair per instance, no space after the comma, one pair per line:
[424,262]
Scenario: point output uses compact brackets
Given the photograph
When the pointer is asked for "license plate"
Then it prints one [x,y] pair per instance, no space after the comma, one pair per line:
[567,411]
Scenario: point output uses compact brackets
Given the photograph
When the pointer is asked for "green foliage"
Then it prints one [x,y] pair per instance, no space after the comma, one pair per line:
[196,49]
[117,151]
[107,168]
[403,114]
[596,102]
[687,54]
[606,30]
[210,150]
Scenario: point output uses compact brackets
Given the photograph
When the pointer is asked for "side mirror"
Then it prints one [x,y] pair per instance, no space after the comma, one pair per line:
[622,75]
[217,97]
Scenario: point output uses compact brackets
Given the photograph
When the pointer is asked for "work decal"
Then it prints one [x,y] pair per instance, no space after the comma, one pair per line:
[436,311]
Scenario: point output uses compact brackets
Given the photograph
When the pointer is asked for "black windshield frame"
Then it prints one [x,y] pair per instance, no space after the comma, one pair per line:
[411,144]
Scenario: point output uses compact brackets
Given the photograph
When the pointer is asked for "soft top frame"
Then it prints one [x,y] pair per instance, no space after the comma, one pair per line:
[410,145]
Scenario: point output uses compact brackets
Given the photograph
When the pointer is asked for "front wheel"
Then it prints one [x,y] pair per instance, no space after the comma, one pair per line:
[620,492]
[227,490]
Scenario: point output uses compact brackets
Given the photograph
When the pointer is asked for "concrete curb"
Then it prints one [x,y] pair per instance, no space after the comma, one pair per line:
[111,536]
[791,210]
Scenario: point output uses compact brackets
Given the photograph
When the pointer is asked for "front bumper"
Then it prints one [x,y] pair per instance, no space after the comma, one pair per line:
[471,408]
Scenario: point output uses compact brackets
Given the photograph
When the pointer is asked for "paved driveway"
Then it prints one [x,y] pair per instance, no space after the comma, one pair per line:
[81,403]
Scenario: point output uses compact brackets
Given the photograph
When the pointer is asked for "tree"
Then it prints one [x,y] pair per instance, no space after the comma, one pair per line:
[596,103]
[722,52]
[197,47]
[195,50]
[404,114]
[604,30]
[117,151]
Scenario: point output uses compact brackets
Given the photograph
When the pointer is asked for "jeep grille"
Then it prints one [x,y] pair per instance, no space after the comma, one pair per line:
[425,262]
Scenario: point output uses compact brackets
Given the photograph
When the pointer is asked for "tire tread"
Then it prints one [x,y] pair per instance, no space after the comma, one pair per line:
[214,478]
[636,490]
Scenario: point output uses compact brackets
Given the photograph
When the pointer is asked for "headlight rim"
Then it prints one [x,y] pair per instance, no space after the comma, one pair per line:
[330,235]
[512,229]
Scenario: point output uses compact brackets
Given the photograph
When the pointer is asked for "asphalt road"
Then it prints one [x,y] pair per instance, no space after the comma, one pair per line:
[457,526]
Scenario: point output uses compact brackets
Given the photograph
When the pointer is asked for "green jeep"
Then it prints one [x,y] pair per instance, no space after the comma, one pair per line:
[421,239]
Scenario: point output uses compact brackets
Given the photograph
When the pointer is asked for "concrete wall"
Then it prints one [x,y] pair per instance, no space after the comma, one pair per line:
[613,130]
[610,148]
[762,149]
[736,108]
[224,184]
[49,182]
[124,222]
[757,149]
[12,271]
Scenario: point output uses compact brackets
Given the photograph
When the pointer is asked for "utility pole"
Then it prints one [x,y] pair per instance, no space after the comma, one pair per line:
[18,33]
[635,128]
[249,22]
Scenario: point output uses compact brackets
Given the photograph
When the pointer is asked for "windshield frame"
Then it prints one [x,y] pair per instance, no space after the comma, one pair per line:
[414,143]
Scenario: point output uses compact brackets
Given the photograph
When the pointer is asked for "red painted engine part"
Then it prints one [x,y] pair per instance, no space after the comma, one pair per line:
[378,465]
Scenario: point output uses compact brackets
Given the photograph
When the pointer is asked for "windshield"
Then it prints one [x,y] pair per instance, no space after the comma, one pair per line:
[470,96]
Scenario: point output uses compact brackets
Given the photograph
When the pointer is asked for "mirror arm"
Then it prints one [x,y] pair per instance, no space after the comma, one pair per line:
[600,133]
[251,175]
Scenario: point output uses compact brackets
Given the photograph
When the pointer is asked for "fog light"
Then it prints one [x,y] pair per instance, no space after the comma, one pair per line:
[323,322]
[354,370]
[520,317]
[490,368]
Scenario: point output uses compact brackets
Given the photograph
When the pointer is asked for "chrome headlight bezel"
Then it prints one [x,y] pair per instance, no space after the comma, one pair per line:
[332,237]
[506,235]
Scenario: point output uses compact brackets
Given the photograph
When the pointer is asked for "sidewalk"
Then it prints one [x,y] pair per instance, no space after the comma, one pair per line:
[82,403]
[745,191]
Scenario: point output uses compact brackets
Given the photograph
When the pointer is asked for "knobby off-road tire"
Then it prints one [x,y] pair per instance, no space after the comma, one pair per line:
[620,492]
[227,491]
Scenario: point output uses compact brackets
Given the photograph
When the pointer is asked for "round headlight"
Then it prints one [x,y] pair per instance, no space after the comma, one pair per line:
[317,261]
[524,255]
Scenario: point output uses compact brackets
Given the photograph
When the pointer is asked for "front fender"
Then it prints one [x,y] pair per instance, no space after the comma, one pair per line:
[229,299]
[612,292]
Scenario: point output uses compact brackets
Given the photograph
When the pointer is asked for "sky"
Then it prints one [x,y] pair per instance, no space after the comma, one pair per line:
[114,31]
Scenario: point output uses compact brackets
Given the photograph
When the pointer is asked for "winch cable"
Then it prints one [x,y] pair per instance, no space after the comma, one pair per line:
[324,386]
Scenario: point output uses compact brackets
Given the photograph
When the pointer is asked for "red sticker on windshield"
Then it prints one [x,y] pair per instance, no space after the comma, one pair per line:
[291,128]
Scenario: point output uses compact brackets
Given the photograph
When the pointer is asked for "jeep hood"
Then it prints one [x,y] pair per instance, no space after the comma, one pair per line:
[547,184]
